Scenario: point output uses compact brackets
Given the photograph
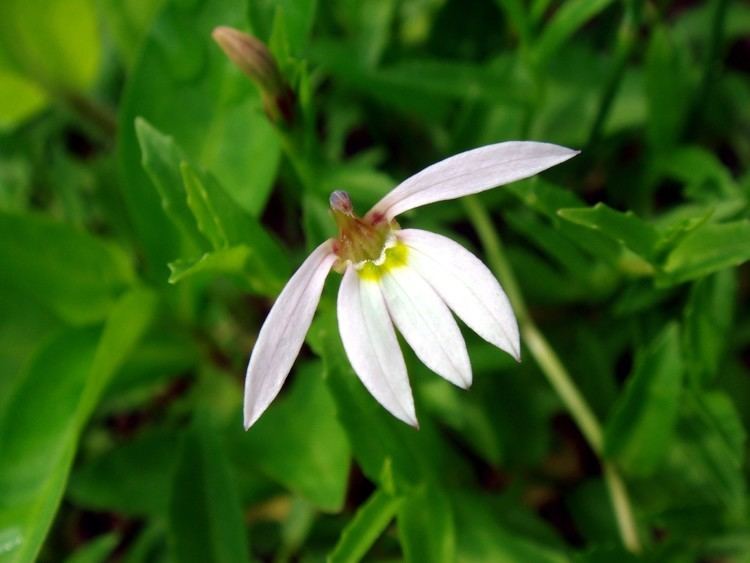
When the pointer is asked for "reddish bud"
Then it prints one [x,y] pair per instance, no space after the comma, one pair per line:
[253,58]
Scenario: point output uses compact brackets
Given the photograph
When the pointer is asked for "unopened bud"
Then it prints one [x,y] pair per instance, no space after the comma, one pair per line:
[254,59]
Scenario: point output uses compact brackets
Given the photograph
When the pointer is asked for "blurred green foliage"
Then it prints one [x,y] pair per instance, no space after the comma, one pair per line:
[150,212]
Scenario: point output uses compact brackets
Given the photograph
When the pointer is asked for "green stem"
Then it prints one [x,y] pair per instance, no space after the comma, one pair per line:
[555,372]
[624,516]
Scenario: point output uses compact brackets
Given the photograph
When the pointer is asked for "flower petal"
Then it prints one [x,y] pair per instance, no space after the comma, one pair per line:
[471,172]
[371,345]
[427,324]
[283,332]
[466,285]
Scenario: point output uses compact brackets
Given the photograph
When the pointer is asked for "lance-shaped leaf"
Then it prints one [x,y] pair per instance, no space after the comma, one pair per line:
[708,318]
[365,528]
[625,228]
[42,420]
[205,517]
[707,249]
[571,16]
[426,526]
[161,159]
[643,419]
[242,247]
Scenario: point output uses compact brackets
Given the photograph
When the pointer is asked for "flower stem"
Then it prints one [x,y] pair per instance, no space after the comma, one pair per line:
[555,372]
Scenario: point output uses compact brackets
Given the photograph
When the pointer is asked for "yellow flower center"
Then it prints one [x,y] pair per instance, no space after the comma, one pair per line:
[392,257]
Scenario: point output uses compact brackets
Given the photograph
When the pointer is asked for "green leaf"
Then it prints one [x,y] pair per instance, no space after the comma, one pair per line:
[643,419]
[55,43]
[200,208]
[708,318]
[547,199]
[705,175]
[25,328]
[470,420]
[165,353]
[682,221]
[426,527]
[544,197]
[161,159]
[547,238]
[127,22]
[19,99]
[97,550]
[372,28]
[485,417]
[149,546]
[625,228]
[481,537]
[707,249]
[515,11]
[299,442]
[667,90]
[205,517]
[213,112]
[419,86]
[298,17]
[365,528]
[706,463]
[219,217]
[44,417]
[571,16]
[126,324]
[225,224]
[132,478]
[232,260]
[73,274]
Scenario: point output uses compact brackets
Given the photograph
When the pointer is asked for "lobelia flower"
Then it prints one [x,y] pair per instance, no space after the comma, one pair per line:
[409,278]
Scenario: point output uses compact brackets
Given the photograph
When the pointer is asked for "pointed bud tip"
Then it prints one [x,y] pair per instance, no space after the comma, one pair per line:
[221,31]
[251,56]
[228,38]
[341,202]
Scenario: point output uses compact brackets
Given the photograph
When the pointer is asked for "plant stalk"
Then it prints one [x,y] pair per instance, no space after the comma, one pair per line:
[555,372]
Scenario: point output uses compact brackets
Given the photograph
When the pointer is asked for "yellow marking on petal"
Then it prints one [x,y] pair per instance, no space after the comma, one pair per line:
[396,256]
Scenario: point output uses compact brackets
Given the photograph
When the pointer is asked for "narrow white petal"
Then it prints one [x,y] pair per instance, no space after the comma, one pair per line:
[471,172]
[371,345]
[427,324]
[283,332]
[466,285]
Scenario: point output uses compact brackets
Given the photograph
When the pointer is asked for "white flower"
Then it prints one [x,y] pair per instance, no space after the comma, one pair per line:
[407,277]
